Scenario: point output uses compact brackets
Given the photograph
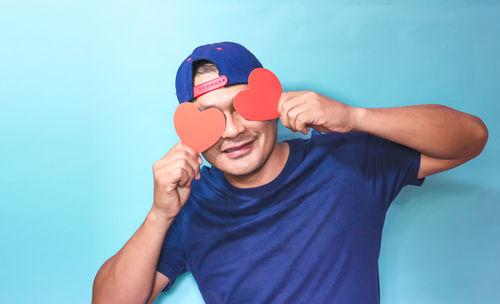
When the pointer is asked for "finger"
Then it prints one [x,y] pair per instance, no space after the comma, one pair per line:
[173,154]
[291,101]
[178,147]
[193,171]
[195,159]
[292,109]
[185,164]
[172,150]
[177,178]
[184,147]
[178,155]
[286,96]
[284,120]
[298,116]
[174,167]
[186,178]
[289,104]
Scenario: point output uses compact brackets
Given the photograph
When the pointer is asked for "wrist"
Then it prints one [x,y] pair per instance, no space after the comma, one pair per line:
[357,118]
[157,217]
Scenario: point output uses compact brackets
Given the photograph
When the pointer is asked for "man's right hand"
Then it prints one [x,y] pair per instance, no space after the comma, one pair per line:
[173,174]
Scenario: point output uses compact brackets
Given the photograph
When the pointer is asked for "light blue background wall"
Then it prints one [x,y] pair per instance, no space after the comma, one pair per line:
[87,100]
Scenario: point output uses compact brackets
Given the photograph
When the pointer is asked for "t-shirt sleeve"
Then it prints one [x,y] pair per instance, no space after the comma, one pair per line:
[390,166]
[172,261]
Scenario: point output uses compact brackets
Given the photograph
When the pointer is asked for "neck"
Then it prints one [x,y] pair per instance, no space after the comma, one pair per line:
[271,168]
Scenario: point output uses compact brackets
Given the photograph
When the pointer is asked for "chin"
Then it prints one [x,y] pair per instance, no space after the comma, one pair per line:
[240,170]
[237,167]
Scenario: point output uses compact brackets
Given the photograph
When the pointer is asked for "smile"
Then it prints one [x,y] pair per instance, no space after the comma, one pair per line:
[238,150]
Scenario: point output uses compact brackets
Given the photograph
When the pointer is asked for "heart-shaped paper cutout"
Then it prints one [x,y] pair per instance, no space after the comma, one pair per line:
[199,130]
[260,100]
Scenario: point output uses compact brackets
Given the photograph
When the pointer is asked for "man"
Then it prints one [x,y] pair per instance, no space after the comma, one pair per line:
[298,221]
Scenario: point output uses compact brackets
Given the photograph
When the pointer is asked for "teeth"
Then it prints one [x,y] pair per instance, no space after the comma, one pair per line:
[234,149]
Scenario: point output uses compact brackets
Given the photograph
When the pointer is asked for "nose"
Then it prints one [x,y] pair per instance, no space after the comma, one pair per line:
[234,125]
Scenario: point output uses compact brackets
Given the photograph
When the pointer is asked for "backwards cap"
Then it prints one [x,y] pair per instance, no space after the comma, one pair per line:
[233,61]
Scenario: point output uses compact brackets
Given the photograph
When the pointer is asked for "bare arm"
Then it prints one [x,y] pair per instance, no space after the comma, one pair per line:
[435,130]
[128,276]
[160,282]
[445,137]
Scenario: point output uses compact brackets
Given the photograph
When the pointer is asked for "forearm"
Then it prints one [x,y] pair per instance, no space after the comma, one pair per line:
[435,130]
[128,276]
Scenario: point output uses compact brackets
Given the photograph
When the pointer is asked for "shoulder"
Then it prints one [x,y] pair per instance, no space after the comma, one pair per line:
[330,147]
[340,141]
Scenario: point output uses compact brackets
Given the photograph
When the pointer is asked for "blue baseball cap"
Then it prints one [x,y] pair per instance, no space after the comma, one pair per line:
[233,61]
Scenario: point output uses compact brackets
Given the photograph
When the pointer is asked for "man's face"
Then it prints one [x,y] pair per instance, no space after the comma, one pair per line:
[245,145]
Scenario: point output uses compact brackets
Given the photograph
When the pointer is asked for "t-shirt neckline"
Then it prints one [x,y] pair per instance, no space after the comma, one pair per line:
[290,164]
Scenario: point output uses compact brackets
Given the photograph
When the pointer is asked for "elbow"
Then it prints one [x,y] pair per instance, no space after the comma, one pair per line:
[98,288]
[106,289]
[482,136]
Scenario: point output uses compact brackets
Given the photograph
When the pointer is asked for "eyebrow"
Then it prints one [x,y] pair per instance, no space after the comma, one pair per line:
[204,107]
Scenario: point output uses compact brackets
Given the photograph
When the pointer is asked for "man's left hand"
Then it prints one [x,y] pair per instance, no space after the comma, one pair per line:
[302,110]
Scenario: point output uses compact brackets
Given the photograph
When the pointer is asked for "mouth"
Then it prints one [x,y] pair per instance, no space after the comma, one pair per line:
[236,151]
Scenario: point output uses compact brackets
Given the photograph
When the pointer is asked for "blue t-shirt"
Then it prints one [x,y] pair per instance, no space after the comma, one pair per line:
[312,235]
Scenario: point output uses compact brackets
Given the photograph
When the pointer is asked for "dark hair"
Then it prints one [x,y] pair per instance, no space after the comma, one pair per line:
[203,66]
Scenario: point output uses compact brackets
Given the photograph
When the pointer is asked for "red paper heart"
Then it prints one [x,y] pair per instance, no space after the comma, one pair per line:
[199,130]
[260,100]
